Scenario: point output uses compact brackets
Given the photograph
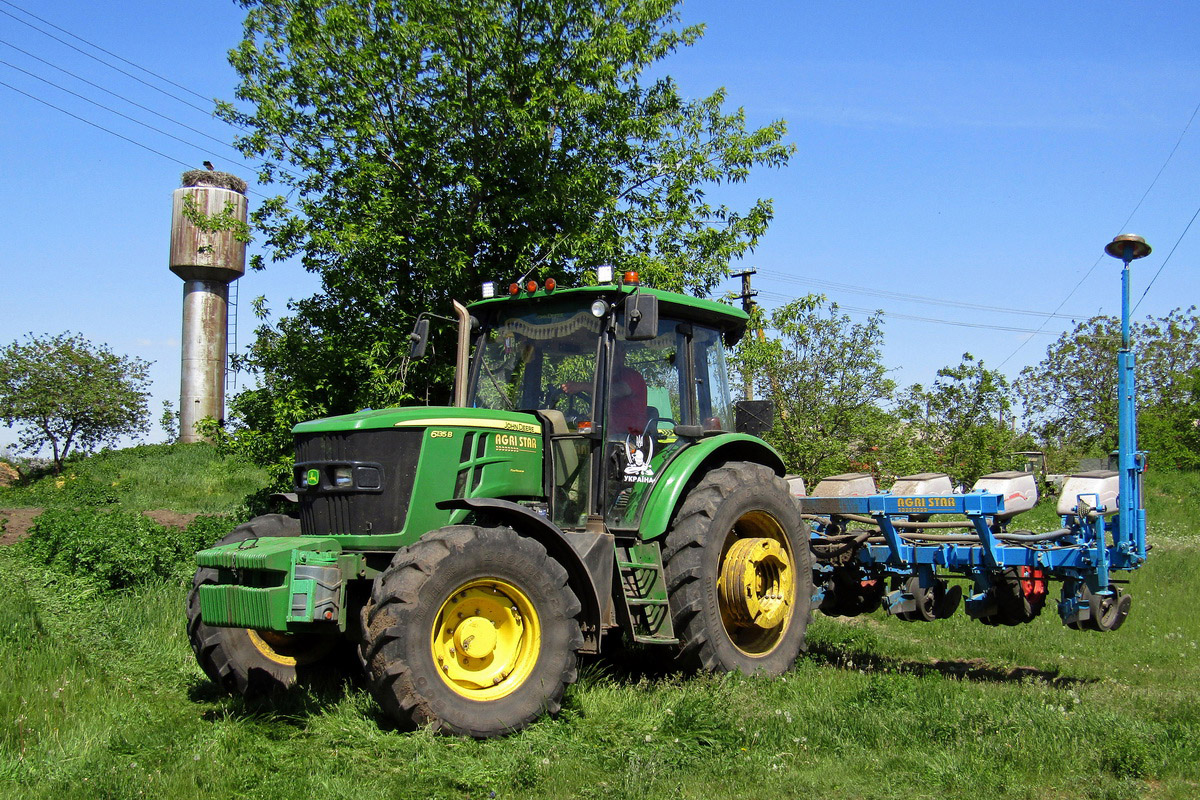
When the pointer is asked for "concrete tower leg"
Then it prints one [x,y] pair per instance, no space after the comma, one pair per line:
[202,380]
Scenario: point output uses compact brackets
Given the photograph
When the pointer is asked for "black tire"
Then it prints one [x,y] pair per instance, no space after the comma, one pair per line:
[260,663]
[1017,601]
[416,615]
[739,501]
[938,601]
[848,595]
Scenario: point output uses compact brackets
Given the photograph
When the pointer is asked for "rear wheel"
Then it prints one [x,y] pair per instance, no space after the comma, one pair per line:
[255,663]
[473,630]
[739,572]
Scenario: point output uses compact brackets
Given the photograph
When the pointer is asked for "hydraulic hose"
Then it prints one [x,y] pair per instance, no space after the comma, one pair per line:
[1025,538]
[902,524]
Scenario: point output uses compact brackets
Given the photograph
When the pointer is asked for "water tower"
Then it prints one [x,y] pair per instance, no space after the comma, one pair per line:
[208,250]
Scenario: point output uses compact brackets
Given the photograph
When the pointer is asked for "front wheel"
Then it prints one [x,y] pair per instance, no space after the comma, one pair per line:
[739,572]
[472,630]
[256,663]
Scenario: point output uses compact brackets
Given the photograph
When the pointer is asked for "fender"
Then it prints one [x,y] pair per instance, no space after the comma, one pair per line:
[700,457]
[587,557]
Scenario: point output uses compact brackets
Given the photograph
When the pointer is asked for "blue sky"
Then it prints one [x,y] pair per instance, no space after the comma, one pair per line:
[971,153]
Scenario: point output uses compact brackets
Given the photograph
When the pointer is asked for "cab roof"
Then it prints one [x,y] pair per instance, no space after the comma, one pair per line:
[719,315]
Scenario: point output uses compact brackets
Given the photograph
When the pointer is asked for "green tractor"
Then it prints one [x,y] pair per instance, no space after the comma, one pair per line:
[591,484]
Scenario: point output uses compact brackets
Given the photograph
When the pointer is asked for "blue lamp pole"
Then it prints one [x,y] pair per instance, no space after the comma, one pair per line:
[1131,532]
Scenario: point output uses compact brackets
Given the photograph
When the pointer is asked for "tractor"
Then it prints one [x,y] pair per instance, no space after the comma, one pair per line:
[593,482]
[592,478]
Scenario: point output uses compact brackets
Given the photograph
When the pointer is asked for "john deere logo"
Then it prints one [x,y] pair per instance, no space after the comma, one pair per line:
[313,477]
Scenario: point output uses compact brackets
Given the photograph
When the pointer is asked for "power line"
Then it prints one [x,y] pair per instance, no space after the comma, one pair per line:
[1165,260]
[1158,175]
[86,121]
[105,63]
[897,315]
[103,50]
[94,125]
[205,111]
[1126,222]
[1029,338]
[848,287]
[118,95]
[111,110]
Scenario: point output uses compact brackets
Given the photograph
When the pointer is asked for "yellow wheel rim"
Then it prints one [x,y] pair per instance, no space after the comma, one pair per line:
[756,583]
[486,639]
[290,649]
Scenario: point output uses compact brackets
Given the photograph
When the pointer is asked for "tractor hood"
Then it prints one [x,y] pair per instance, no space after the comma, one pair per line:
[422,417]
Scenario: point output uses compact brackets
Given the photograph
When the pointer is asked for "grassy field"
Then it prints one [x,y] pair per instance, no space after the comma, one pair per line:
[100,697]
[180,477]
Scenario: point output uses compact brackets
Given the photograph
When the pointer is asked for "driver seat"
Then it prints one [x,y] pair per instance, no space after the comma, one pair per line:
[652,418]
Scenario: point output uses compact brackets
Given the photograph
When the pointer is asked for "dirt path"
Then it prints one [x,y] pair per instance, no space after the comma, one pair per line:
[172,519]
[18,521]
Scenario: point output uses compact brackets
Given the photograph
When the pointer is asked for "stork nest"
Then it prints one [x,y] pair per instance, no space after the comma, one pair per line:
[219,180]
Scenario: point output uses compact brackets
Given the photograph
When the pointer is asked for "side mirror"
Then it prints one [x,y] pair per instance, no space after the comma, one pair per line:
[419,338]
[641,317]
[754,417]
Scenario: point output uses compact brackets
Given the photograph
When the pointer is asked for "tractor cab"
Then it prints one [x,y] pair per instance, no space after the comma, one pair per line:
[622,377]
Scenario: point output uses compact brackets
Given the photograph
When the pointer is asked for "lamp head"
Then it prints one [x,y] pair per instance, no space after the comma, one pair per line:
[1128,242]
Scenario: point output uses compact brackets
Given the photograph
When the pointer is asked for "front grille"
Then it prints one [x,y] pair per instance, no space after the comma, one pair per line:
[331,510]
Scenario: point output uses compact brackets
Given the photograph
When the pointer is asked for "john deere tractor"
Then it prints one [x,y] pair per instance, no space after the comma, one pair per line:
[592,481]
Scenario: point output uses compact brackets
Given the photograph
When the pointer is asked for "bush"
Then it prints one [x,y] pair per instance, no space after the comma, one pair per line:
[116,548]
[68,489]
[205,530]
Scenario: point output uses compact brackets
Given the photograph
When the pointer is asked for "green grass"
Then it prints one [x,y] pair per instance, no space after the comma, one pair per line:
[180,477]
[100,697]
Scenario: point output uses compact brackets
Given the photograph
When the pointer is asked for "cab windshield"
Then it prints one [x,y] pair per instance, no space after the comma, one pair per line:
[525,359]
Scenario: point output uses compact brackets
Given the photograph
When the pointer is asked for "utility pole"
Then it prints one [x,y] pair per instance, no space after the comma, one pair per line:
[747,298]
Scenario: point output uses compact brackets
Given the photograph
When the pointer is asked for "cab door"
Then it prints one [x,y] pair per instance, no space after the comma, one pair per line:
[649,393]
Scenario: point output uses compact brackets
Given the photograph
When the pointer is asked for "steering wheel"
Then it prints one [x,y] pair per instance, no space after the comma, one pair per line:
[555,393]
[552,396]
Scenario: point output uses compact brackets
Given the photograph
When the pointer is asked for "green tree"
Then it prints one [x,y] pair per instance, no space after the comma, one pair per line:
[1170,432]
[964,417]
[824,373]
[1070,396]
[67,393]
[430,146]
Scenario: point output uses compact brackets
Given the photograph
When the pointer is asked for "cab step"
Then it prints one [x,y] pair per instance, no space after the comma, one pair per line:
[645,611]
